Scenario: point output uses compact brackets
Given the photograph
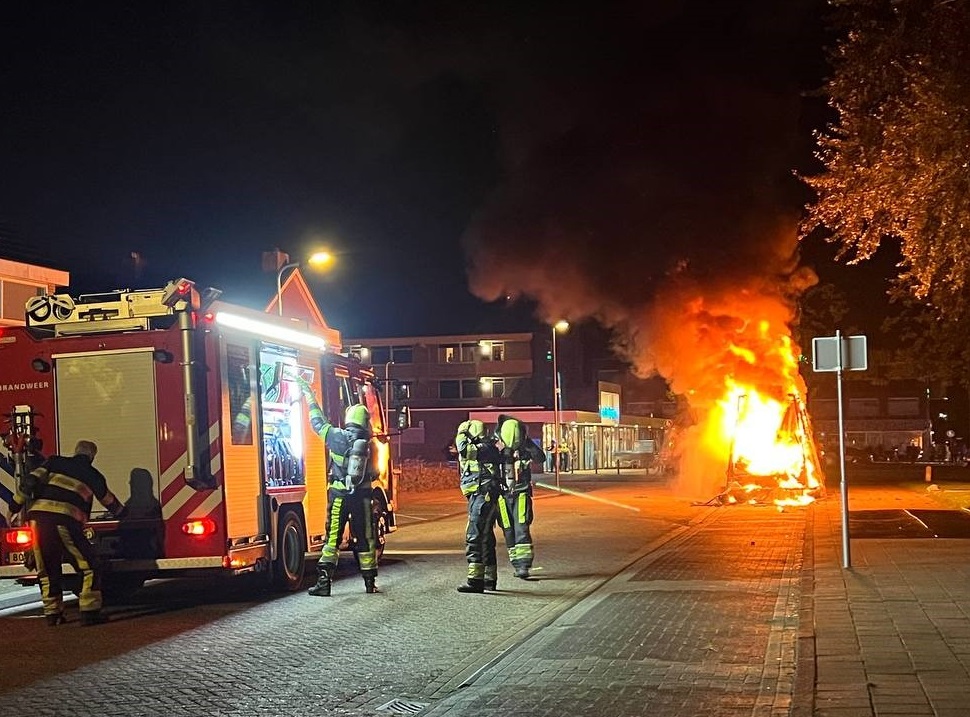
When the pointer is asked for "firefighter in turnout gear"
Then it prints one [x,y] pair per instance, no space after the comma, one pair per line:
[518,451]
[481,484]
[349,492]
[58,496]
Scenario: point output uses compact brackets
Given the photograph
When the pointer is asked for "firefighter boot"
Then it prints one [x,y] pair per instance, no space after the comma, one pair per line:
[491,574]
[93,617]
[472,585]
[55,619]
[370,578]
[324,581]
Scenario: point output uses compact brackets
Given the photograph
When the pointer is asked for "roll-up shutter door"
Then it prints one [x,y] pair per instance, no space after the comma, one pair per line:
[109,398]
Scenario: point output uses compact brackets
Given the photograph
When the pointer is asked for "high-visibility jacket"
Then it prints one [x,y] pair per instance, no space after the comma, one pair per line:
[477,462]
[68,486]
[519,451]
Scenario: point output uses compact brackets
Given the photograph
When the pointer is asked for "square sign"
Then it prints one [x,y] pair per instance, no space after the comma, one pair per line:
[825,353]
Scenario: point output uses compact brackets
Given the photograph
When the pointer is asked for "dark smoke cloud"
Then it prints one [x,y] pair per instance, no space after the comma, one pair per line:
[660,152]
[656,196]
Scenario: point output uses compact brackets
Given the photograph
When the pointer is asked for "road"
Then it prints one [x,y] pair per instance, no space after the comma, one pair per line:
[186,648]
[642,603]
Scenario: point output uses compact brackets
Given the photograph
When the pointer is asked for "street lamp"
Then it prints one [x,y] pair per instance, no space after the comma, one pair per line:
[559,327]
[317,259]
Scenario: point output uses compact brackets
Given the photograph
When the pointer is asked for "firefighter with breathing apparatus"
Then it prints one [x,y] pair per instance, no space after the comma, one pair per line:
[349,490]
[517,453]
[481,484]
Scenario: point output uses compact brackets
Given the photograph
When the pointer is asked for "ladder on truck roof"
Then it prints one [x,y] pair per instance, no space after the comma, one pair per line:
[122,310]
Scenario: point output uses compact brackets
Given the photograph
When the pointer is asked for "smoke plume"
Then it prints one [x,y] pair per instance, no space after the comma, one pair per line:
[661,205]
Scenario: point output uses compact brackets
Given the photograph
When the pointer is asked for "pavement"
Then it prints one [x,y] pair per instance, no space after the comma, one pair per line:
[751,612]
[747,610]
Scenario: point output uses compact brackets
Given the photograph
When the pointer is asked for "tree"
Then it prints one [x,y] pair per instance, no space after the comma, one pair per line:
[936,350]
[821,310]
[897,159]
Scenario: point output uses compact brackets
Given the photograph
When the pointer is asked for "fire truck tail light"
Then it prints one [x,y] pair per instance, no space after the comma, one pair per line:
[18,538]
[199,528]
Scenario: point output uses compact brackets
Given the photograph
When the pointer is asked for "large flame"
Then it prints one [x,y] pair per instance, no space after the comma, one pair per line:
[747,433]
[770,448]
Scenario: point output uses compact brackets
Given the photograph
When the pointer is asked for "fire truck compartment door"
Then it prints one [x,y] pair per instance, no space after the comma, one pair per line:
[109,398]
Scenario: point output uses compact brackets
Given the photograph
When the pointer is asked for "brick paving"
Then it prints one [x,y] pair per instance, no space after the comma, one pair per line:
[892,633]
[741,610]
[707,625]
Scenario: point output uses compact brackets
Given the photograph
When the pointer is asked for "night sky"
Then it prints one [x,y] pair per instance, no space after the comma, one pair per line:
[453,154]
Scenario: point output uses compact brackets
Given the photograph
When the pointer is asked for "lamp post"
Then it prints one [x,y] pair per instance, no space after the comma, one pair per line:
[320,259]
[557,396]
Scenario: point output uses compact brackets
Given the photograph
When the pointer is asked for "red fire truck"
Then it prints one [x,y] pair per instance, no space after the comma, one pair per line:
[200,410]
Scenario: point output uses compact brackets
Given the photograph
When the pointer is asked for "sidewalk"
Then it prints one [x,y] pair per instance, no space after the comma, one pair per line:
[891,633]
[14,595]
[751,613]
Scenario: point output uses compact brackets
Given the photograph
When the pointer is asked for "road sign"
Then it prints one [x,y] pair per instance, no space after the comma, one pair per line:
[825,353]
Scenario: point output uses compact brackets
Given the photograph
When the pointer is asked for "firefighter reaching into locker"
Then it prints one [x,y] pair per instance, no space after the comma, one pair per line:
[59,495]
[349,491]
[518,452]
[481,484]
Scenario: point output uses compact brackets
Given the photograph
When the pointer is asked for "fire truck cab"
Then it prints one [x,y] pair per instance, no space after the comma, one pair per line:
[201,411]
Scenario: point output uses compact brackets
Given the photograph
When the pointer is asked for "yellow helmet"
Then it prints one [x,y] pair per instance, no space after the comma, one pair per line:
[357,417]
[475,428]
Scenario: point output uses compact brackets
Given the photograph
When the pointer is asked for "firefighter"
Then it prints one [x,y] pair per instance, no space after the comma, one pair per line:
[481,484]
[517,453]
[349,491]
[58,496]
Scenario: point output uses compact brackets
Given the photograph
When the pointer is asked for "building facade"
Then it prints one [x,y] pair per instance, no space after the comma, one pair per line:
[444,380]
[19,282]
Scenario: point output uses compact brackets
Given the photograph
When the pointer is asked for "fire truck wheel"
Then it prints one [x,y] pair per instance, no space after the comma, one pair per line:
[290,563]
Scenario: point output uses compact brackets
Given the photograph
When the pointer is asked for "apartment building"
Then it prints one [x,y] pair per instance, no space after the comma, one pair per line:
[442,378]
[887,412]
[445,380]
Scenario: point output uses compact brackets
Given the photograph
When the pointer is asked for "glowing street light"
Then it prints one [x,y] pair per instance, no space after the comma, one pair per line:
[320,259]
[559,327]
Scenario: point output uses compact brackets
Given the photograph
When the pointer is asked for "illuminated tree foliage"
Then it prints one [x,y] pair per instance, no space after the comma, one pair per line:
[896,159]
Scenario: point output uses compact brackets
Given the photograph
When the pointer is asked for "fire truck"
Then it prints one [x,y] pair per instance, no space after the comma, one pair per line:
[201,413]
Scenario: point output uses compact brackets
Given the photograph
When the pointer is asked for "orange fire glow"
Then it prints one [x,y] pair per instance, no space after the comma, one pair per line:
[769,447]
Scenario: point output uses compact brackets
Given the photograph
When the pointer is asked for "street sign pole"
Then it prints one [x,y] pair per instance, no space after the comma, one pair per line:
[843,485]
[841,353]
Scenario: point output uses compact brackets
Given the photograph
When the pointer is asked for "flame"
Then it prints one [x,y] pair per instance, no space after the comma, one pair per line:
[769,444]
[383,455]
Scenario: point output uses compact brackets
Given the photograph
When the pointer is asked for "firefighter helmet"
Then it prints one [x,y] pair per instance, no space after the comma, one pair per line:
[357,417]
[475,429]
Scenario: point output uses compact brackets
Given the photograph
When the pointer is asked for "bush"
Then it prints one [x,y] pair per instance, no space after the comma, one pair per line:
[418,476]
